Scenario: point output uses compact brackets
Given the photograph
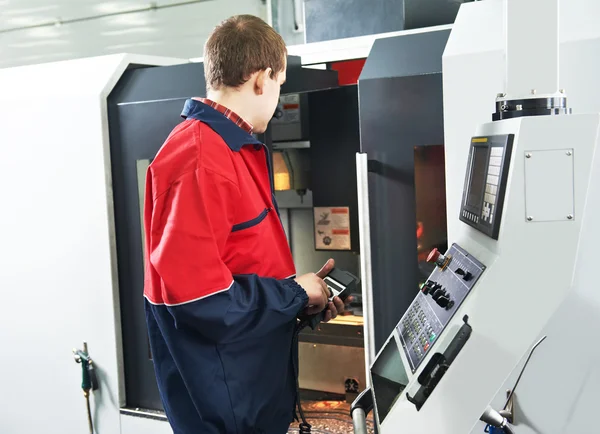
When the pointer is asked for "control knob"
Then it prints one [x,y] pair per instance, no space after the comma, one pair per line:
[439,259]
[465,274]
[445,302]
[439,292]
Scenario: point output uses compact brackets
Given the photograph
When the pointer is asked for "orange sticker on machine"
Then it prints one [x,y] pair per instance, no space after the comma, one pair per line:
[340,211]
[332,228]
[341,232]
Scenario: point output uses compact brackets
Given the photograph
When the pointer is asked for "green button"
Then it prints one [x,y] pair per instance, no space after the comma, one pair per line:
[432,338]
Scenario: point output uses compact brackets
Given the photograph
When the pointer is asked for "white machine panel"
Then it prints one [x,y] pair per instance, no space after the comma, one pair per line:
[549,174]
[58,272]
[509,305]
[559,387]
[529,266]
[475,72]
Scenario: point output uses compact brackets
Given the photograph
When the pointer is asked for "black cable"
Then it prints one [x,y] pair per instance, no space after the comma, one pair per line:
[296,25]
[304,427]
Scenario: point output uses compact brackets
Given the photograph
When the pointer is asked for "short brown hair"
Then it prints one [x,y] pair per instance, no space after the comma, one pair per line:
[239,47]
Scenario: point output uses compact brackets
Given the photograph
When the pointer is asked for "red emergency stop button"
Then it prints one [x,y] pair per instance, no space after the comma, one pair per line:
[433,255]
[439,259]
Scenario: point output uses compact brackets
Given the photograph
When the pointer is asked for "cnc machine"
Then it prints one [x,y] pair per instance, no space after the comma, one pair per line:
[481,344]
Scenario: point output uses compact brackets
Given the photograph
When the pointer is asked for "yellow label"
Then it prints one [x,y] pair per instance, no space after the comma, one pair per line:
[479,140]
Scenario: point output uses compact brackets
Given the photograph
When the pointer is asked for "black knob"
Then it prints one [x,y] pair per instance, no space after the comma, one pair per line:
[438,293]
[443,301]
[465,274]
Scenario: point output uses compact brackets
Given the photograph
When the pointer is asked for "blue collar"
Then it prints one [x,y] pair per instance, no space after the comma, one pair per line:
[234,136]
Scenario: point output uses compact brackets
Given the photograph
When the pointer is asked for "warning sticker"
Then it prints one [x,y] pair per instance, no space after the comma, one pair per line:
[332,228]
[290,105]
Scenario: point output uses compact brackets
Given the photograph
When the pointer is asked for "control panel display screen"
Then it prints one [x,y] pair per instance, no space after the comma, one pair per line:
[485,183]
[477,183]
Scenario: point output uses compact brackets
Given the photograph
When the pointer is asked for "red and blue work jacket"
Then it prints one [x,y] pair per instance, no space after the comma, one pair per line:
[221,304]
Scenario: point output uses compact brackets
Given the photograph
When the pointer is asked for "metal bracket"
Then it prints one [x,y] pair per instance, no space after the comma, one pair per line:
[509,409]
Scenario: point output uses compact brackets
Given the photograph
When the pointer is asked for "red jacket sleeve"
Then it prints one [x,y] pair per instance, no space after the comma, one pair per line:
[190,224]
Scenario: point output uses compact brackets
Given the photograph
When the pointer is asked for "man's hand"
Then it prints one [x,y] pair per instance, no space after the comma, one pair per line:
[337,306]
[334,308]
[317,291]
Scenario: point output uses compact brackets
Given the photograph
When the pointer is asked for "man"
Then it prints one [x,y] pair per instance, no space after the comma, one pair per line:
[221,298]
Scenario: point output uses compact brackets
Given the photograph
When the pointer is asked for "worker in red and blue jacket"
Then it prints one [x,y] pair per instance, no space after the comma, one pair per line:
[222,299]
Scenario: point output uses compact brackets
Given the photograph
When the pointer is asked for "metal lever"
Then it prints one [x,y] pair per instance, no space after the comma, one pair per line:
[501,419]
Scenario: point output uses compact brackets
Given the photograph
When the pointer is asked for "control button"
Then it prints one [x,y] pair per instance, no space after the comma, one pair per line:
[497,151]
[496,161]
[494,170]
[442,301]
[436,257]
[491,179]
[426,347]
[433,255]
[465,274]
[438,293]
[427,287]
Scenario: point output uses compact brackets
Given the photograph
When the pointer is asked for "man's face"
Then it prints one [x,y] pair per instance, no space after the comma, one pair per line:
[269,100]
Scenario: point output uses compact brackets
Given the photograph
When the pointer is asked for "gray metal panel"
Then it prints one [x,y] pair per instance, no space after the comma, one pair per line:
[427,13]
[334,144]
[396,114]
[406,55]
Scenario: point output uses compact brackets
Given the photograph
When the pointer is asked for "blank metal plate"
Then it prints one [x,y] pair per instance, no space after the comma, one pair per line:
[549,185]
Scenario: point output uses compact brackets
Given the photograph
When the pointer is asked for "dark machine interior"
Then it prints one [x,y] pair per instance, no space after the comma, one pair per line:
[402,133]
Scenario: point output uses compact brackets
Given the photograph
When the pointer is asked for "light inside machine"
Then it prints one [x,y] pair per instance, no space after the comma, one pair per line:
[281,172]
[430,201]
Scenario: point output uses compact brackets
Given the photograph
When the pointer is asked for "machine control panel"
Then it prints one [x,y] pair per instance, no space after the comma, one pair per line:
[435,305]
[485,183]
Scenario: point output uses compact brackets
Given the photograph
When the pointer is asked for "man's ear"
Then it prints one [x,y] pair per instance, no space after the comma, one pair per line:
[261,80]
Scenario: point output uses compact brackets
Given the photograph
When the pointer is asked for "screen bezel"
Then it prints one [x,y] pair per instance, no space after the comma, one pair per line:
[504,141]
